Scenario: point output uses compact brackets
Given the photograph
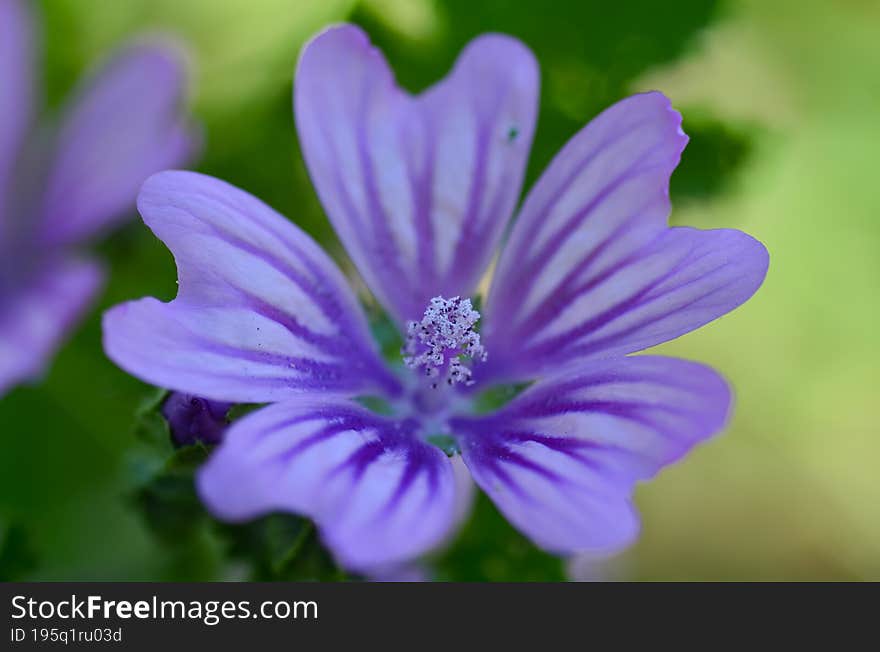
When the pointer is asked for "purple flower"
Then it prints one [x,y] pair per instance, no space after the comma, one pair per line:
[419,190]
[193,419]
[63,185]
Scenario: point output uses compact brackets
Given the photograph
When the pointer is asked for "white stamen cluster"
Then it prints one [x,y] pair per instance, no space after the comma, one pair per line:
[437,342]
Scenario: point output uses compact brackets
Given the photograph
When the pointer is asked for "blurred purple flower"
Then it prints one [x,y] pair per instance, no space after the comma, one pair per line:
[60,189]
[193,419]
[419,190]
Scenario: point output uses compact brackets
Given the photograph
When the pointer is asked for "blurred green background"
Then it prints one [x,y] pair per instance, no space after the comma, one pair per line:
[781,100]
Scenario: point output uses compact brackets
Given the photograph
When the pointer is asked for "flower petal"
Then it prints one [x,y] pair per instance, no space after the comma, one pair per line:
[379,495]
[418,188]
[35,319]
[16,89]
[126,123]
[262,313]
[561,460]
[591,268]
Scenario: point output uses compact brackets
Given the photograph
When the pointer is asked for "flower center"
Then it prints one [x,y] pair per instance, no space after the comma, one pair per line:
[439,344]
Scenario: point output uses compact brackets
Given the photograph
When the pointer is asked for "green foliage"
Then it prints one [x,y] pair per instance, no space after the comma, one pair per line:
[715,153]
[490,549]
[149,424]
[275,547]
[17,555]
[589,51]
[280,547]
[167,499]
[240,410]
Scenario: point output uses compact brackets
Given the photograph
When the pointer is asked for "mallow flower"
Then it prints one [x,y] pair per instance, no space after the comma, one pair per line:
[420,190]
[64,182]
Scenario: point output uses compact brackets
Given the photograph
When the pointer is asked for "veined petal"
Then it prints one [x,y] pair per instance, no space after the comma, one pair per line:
[35,319]
[126,123]
[591,268]
[16,90]
[379,495]
[562,459]
[418,188]
[261,314]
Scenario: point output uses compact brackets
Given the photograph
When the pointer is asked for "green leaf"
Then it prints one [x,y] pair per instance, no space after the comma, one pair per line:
[490,549]
[281,547]
[150,426]
[167,498]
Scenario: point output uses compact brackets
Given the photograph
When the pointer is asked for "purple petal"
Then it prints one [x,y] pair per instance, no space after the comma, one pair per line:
[379,495]
[418,188]
[193,419]
[16,90]
[591,268]
[562,459]
[125,124]
[35,319]
[262,313]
